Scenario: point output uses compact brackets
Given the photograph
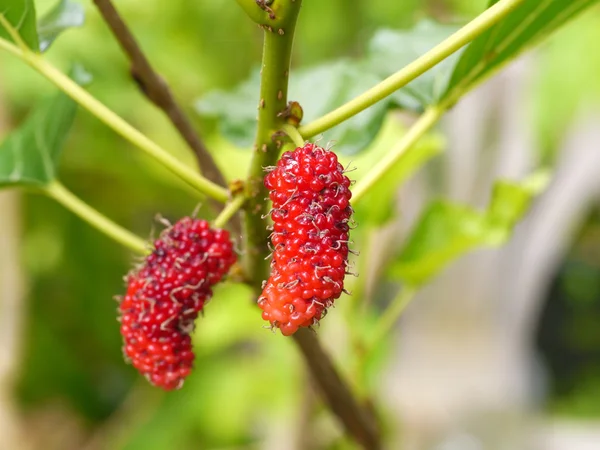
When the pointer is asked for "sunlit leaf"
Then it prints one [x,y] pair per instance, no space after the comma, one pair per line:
[528,24]
[21,14]
[66,14]
[447,230]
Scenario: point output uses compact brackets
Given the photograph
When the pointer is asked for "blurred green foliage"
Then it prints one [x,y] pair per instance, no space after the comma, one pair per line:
[247,381]
[447,230]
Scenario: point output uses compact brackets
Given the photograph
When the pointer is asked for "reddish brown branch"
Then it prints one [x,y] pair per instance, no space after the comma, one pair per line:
[158,92]
[357,419]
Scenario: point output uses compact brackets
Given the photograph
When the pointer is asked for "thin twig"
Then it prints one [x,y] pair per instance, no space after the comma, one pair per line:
[356,419]
[293,134]
[158,91]
[62,195]
[229,211]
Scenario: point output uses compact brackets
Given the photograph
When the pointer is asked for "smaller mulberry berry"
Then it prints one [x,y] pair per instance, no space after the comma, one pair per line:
[311,211]
[166,293]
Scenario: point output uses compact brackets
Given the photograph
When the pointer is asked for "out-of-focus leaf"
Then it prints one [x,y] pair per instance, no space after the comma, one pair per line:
[525,26]
[30,154]
[390,50]
[21,14]
[323,88]
[236,110]
[319,90]
[66,14]
[446,230]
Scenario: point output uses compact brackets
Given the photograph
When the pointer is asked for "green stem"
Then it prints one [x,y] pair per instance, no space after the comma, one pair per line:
[228,211]
[425,122]
[9,47]
[462,37]
[115,122]
[293,134]
[274,14]
[73,203]
[358,421]
[13,33]
[277,52]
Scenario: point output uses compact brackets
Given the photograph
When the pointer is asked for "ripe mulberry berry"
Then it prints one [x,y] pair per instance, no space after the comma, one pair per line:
[311,211]
[166,293]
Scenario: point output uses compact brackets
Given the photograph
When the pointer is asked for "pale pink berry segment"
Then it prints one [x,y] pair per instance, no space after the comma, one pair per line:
[166,293]
[311,211]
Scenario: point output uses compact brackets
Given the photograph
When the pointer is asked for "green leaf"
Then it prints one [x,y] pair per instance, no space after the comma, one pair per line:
[447,230]
[390,50]
[525,26]
[21,14]
[319,90]
[444,232]
[66,14]
[30,154]
[236,110]
[324,88]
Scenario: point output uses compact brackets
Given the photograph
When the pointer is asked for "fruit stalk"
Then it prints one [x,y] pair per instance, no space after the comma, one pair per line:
[275,71]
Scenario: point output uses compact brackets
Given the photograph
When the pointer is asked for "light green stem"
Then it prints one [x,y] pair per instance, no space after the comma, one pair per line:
[228,211]
[115,122]
[462,37]
[73,203]
[277,53]
[13,33]
[425,122]
[293,134]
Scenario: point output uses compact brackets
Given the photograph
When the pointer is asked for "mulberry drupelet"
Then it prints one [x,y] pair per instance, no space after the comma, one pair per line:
[311,211]
[166,293]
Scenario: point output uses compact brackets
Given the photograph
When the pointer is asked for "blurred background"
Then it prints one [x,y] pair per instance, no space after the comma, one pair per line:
[501,351]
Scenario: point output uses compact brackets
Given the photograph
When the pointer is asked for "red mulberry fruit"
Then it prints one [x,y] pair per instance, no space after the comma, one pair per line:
[311,211]
[166,293]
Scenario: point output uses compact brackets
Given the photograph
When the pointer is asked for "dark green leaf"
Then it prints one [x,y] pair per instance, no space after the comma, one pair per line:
[525,26]
[30,154]
[21,14]
[66,14]
[236,110]
[446,230]
[390,50]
